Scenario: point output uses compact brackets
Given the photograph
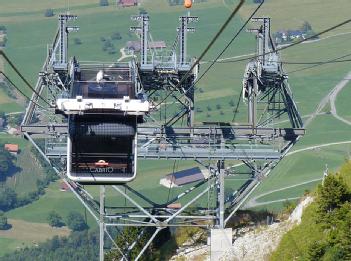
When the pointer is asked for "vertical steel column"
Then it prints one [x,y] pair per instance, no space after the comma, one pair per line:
[182,41]
[220,194]
[101,221]
[252,101]
[266,35]
[144,41]
[63,39]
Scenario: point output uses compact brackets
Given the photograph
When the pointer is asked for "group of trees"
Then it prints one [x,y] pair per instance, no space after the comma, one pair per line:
[74,220]
[8,197]
[5,162]
[129,235]
[333,214]
[78,246]
[108,44]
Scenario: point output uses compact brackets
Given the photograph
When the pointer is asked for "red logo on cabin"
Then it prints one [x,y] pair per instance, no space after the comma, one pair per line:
[101,164]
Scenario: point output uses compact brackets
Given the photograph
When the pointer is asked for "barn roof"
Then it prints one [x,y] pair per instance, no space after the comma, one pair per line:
[186,176]
[11,147]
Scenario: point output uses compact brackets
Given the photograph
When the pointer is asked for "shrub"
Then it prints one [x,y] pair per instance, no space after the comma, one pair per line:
[77,41]
[49,13]
[103,2]
[76,222]
[3,222]
[54,219]
[8,198]
[116,36]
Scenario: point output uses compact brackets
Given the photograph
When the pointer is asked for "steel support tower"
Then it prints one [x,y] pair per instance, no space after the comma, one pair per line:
[259,144]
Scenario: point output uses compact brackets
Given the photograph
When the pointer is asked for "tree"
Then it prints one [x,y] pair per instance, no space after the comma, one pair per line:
[316,251]
[331,195]
[198,109]
[76,222]
[142,11]
[3,221]
[306,27]
[104,3]
[127,237]
[54,219]
[116,36]
[77,41]
[49,13]
[5,162]
[8,198]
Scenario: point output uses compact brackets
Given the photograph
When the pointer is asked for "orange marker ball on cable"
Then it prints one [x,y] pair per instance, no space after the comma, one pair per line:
[188,3]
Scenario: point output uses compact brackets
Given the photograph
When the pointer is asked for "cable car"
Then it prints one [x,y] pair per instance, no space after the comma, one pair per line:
[103,109]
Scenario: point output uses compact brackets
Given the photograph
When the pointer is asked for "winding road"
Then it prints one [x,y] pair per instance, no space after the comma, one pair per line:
[330,97]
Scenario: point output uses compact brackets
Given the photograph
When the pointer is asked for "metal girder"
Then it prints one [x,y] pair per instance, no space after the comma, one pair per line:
[225,132]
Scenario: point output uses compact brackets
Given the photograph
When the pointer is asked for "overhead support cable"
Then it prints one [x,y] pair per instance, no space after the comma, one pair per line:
[19,90]
[214,39]
[22,77]
[334,60]
[296,43]
[225,49]
[229,43]
[282,48]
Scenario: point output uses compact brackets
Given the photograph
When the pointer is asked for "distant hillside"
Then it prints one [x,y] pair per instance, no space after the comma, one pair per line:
[324,233]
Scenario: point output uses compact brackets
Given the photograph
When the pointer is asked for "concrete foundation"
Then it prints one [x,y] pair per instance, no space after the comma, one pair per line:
[221,242]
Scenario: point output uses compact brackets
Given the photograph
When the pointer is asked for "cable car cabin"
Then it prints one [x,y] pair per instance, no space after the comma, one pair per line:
[103,111]
[101,149]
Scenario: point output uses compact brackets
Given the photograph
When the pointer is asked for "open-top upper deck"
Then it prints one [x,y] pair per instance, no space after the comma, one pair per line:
[103,87]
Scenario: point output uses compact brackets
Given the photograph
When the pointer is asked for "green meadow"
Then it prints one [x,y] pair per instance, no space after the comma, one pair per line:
[29,32]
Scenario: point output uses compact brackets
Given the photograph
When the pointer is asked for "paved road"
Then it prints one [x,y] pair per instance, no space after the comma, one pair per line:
[335,93]
[14,113]
[253,202]
[328,98]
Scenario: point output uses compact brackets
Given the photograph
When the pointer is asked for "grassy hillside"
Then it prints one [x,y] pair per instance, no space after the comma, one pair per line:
[343,101]
[29,32]
[298,243]
[291,14]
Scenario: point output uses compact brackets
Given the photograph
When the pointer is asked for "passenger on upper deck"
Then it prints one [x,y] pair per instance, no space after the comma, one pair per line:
[101,77]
